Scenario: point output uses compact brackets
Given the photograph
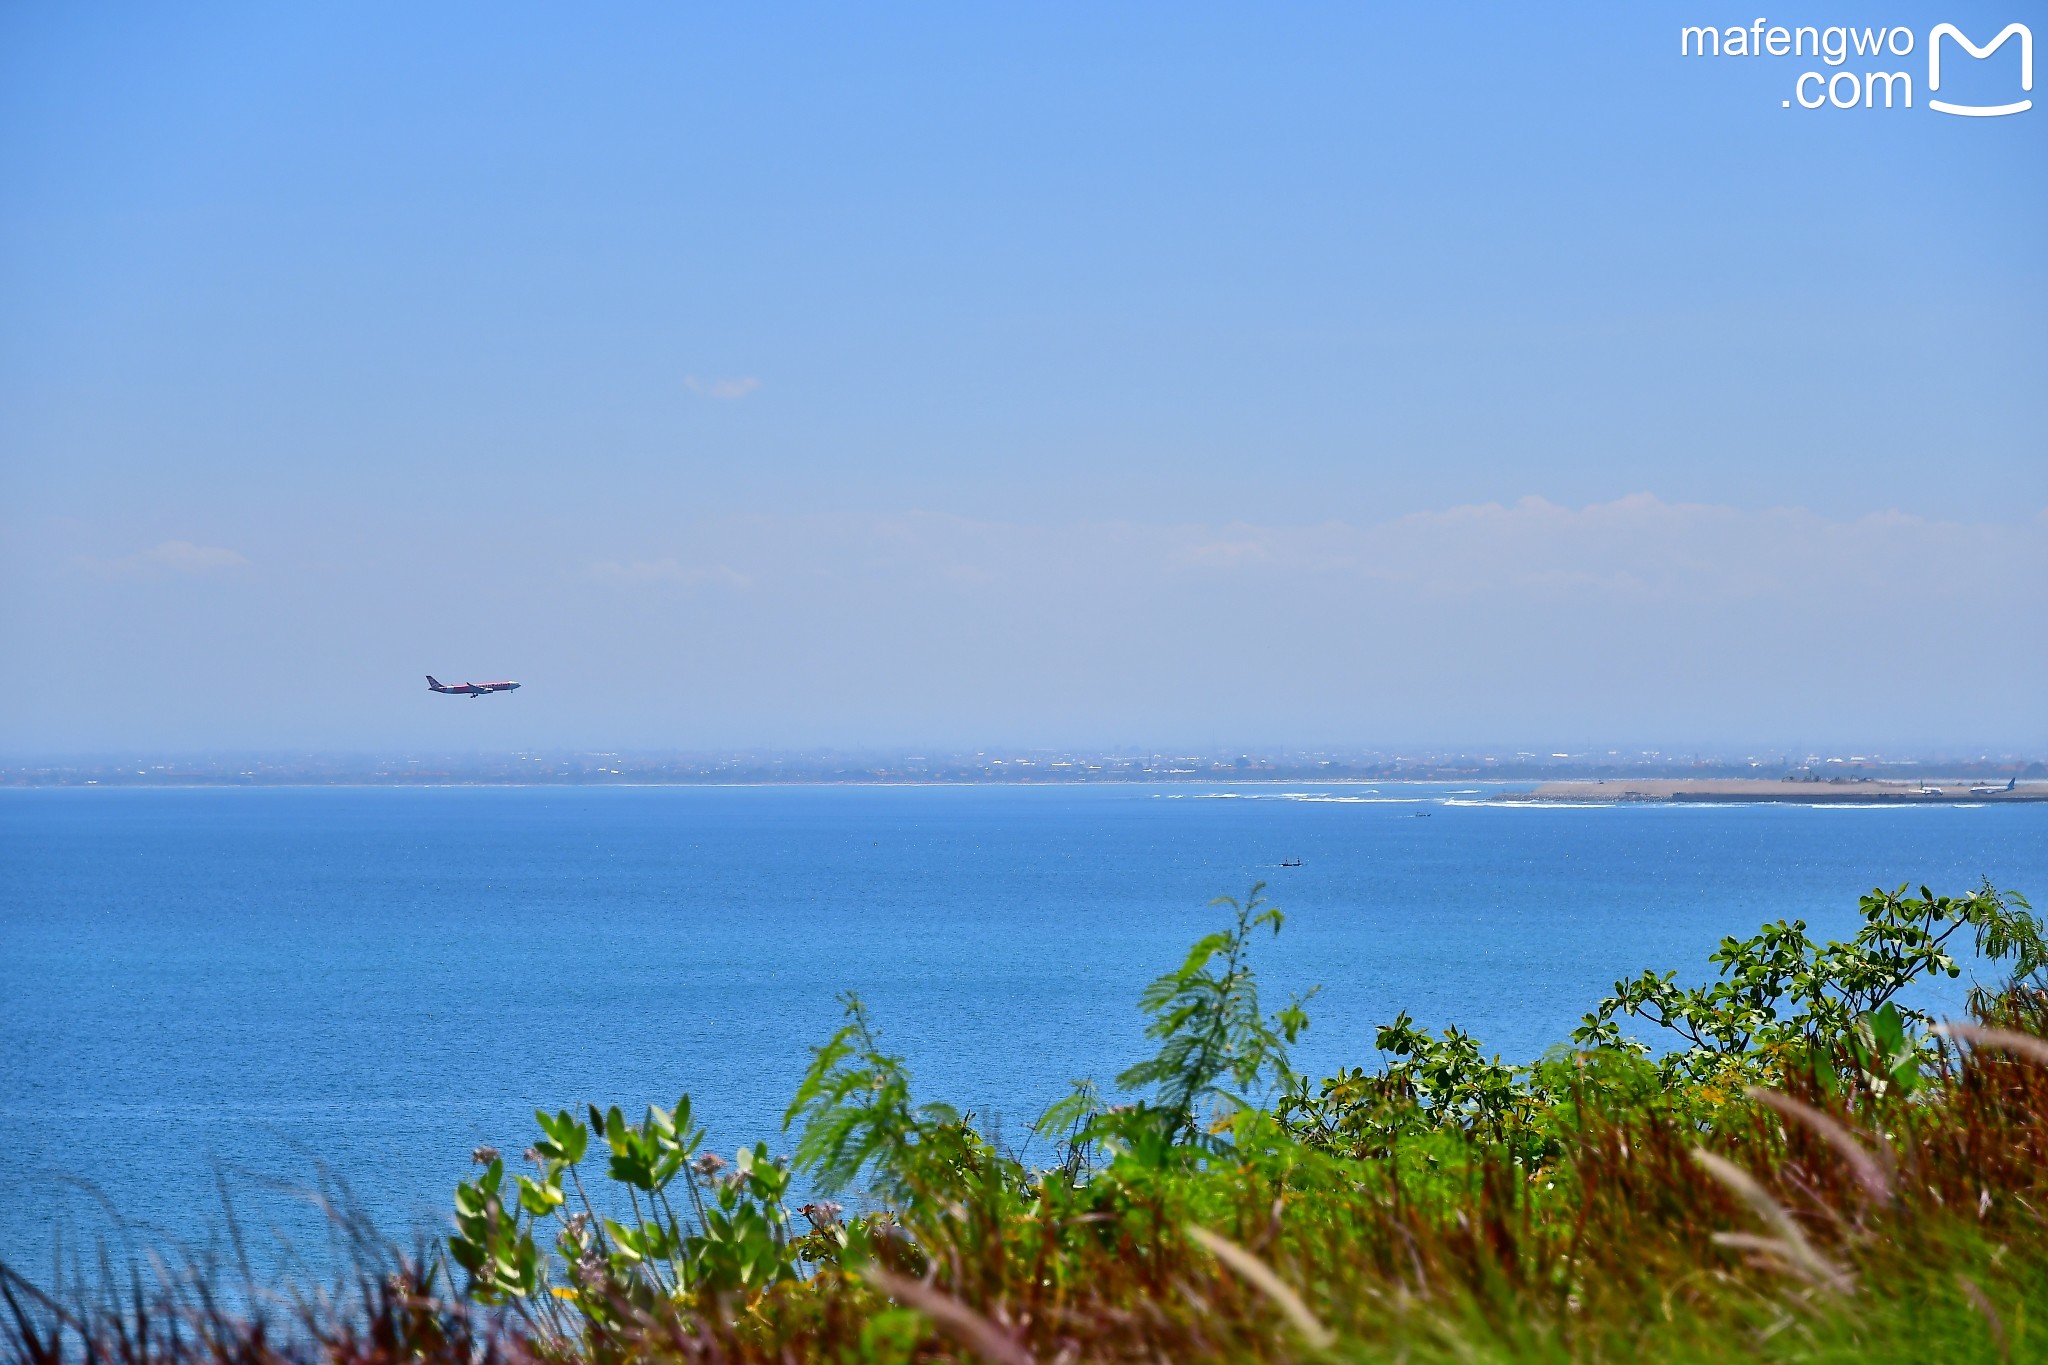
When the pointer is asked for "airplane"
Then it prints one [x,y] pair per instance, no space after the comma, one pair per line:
[469,689]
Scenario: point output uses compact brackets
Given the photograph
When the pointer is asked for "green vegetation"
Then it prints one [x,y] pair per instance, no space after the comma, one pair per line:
[1813,1169]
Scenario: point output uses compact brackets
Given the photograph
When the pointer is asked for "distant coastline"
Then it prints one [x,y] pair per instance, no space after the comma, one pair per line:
[1642,776]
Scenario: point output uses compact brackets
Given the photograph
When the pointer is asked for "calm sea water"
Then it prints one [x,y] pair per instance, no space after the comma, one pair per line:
[253,984]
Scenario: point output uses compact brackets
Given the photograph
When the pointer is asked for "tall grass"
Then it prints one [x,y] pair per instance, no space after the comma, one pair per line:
[1862,1187]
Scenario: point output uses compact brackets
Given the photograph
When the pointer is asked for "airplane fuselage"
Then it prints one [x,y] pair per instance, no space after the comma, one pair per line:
[469,689]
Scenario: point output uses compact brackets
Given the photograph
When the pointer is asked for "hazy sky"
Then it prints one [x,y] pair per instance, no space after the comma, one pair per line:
[1360,374]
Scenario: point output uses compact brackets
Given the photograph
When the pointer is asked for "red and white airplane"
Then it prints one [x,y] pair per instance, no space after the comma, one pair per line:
[469,689]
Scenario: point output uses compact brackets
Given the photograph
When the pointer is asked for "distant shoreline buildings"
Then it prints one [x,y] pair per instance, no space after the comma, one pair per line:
[1018,767]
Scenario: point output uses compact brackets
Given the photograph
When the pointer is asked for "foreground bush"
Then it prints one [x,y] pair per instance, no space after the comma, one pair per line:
[1815,1171]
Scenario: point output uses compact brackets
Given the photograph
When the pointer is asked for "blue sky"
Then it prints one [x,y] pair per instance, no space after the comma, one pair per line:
[1385,374]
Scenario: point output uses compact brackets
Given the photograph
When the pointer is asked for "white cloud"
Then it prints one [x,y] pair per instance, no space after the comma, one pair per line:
[727,389]
[634,573]
[172,556]
[183,556]
[1631,616]
[1638,548]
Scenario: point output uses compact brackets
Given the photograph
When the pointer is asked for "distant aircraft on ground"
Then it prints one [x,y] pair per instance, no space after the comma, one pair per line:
[469,689]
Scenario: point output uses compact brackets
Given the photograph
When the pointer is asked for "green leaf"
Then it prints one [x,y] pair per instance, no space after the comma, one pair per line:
[539,1199]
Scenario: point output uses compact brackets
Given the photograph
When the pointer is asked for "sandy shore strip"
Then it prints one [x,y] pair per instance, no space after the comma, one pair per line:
[1933,791]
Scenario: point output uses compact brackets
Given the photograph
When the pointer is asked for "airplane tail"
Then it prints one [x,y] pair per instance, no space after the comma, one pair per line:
[433,682]
[2011,782]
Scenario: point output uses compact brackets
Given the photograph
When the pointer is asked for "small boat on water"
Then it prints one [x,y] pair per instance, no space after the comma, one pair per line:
[1424,814]
[1290,862]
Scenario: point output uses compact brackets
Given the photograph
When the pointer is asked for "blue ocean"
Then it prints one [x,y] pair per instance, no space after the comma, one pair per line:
[258,991]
